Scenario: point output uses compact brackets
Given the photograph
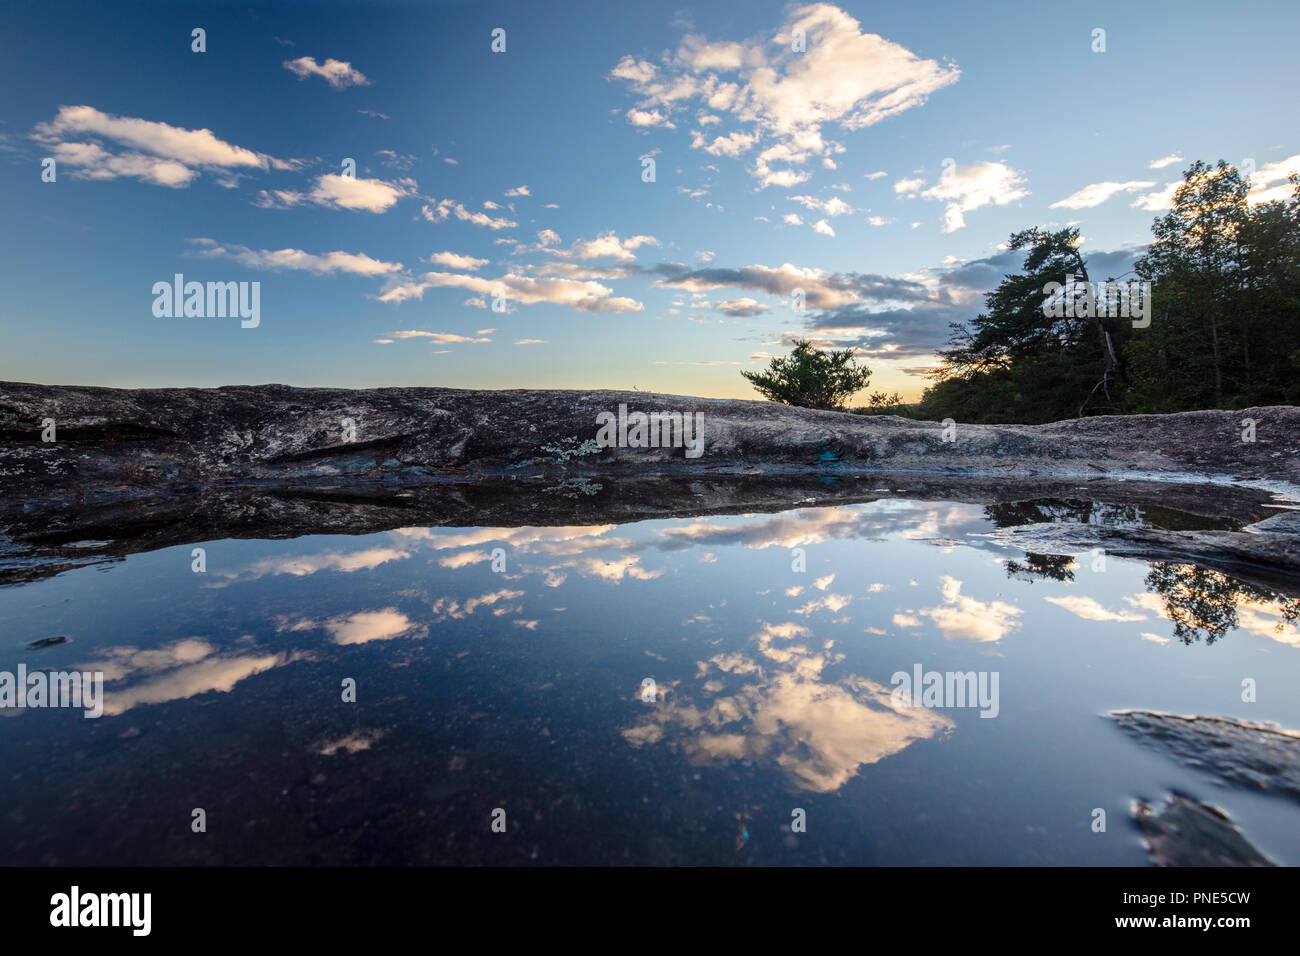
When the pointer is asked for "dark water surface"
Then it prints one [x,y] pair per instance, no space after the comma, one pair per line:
[522,689]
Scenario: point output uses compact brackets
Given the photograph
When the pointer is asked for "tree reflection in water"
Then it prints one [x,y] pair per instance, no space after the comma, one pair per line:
[1200,600]
[1054,567]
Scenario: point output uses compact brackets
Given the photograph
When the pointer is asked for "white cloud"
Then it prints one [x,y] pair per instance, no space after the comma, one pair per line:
[733,144]
[456,261]
[1270,184]
[821,290]
[823,227]
[348,192]
[1166,161]
[741,307]
[1162,198]
[401,161]
[437,338]
[648,118]
[366,626]
[966,618]
[324,263]
[835,206]
[606,245]
[336,73]
[965,188]
[1098,193]
[582,296]
[844,77]
[1091,610]
[439,210]
[518,191]
[154,152]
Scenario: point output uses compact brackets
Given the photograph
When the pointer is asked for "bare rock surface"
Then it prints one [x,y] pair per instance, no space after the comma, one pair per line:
[1186,832]
[137,469]
[150,437]
[1255,756]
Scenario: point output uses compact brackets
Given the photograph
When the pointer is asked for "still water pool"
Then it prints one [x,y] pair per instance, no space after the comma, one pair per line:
[658,692]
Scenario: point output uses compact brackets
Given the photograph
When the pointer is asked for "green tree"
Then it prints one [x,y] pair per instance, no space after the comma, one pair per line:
[1226,319]
[1224,330]
[1014,362]
[811,378]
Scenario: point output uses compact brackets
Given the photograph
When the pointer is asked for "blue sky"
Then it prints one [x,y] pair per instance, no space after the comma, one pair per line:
[521,173]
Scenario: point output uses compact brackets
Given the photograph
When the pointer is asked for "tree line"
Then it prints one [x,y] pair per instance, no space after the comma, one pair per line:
[1220,327]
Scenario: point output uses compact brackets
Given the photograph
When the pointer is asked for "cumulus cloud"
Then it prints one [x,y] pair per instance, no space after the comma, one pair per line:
[775,705]
[821,290]
[349,192]
[605,245]
[1162,198]
[437,338]
[439,210]
[966,188]
[178,671]
[965,618]
[844,77]
[153,152]
[732,145]
[1166,161]
[741,307]
[648,118]
[337,73]
[1091,610]
[886,317]
[1270,182]
[334,191]
[295,259]
[835,206]
[1098,193]
[582,296]
[302,565]
[454,260]
[366,626]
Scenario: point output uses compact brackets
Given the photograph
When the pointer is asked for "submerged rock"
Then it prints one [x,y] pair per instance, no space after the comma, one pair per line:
[1267,552]
[1187,832]
[1255,756]
[48,642]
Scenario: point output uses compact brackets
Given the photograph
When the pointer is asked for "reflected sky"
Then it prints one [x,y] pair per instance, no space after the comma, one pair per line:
[505,667]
